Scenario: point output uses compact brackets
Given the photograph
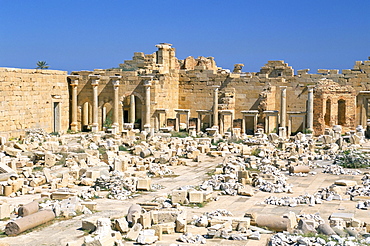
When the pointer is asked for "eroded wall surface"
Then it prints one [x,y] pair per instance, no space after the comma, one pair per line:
[33,98]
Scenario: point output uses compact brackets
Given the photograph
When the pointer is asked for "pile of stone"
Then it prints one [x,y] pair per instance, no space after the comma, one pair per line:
[222,224]
[365,205]
[159,170]
[120,186]
[190,238]
[285,239]
[291,201]
[361,192]
[314,219]
[339,170]
[323,194]
[342,229]
[186,195]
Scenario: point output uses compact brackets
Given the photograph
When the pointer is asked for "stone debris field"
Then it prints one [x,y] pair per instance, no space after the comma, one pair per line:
[176,188]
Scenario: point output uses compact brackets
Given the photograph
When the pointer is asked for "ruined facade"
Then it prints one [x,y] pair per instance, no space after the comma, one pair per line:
[160,92]
[33,98]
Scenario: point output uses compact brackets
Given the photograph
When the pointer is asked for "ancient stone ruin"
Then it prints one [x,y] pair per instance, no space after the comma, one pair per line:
[163,151]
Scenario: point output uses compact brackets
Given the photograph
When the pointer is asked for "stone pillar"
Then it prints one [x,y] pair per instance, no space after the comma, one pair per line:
[232,122]
[187,121]
[283,107]
[74,84]
[215,107]
[132,108]
[199,121]
[255,122]
[177,122]
[147,86]
[95,108]
[115,81]
[310,107]
[244,128]
[221,124]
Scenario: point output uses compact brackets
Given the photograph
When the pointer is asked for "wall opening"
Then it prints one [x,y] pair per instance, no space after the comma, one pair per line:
[56,120]
[341,112]
[327,115]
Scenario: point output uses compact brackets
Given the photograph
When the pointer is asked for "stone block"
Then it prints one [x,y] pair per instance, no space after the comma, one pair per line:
[157,231]
[4,211]
[345,216]
[179,196]
[168,228]
[345,182]
[246,191]
[90,205]
[196,197]
[121,225]
[92,174]
[144,184]
[134,232]
[145,220]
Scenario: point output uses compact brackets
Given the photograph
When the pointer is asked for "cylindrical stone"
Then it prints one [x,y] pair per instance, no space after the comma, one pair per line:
[299,169]
[135,208]
[326,229]
[28,209]
[272,222]
[145,153]
[28,222]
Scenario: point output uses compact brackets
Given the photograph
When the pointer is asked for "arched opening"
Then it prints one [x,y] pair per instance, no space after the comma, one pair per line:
[132,116]
[139,111]
[107,116]
[126,110]
[86,118]
[341,112]
[327,115]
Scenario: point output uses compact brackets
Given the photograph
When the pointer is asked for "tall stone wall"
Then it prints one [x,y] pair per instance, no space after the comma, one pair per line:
[28,98]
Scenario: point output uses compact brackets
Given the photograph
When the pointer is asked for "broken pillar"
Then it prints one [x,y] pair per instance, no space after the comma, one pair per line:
[28,222]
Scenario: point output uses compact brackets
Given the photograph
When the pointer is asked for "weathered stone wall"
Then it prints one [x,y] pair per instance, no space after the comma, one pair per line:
[28,97]
[190,84]
[163,93]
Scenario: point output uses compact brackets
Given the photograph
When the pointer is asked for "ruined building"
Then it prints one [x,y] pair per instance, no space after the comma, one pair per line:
[160,92]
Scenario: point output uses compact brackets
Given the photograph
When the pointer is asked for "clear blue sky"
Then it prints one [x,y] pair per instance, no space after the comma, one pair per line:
[77,35]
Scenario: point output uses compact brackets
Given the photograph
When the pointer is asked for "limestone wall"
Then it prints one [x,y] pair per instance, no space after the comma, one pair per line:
[28,98]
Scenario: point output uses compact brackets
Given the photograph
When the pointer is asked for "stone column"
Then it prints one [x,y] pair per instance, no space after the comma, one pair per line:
[215,107]
[147,86]
[115,125]
[232,122]
[132,108]
[283,107]
[95,108]
[177,122]
[244,129]
[199,121]
[255,120]
[187,121]
[74,84]
[221,129]
[310,107]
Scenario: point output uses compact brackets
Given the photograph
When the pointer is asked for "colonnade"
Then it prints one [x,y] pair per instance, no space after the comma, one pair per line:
[217,116]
